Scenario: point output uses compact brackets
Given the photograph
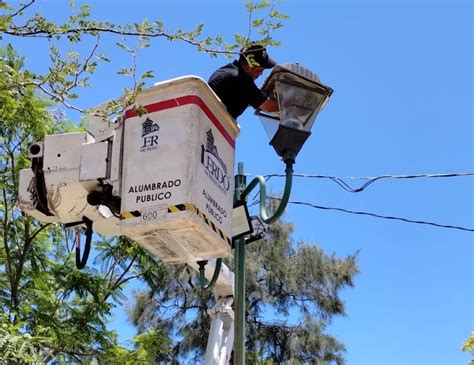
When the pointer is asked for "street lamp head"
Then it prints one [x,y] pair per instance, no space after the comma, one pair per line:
[300,97]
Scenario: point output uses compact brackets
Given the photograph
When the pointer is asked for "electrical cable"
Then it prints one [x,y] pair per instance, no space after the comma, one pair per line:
[343,184]
[407,220]
[255,197]
[82,261]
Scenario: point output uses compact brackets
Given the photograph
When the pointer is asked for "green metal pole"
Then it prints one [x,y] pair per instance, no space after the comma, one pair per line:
[239,279]
[240,195]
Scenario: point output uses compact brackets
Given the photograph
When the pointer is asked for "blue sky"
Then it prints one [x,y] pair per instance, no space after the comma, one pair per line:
[402,72]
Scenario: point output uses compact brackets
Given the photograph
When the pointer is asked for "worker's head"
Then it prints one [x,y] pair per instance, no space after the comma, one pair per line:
[255,59]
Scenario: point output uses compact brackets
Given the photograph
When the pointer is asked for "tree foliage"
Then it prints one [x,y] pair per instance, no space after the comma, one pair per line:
[468,346]
[48,308]
[70,70]
[293,292]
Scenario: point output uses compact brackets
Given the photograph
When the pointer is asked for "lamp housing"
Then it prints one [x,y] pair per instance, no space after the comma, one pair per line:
[300,96]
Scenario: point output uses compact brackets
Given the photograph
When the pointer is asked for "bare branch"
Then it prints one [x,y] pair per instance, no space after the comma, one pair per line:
[6,224]
[127,279]
[250,23]
[57,98]
[21,262]
[119,281]
[110,273]
[21,9]
[20,142]
[84,66]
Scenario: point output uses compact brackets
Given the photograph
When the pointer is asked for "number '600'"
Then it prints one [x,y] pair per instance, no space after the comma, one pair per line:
[148,216]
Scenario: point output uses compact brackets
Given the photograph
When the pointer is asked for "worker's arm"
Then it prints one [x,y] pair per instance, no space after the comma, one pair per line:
[269,105]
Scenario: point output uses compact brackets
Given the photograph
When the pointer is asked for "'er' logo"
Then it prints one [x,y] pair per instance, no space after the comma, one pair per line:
[149,134]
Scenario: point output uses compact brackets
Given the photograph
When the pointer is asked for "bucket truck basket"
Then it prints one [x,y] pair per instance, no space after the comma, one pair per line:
[177,177]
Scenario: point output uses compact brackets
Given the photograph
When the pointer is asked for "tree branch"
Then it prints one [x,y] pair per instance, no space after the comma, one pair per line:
[20,142]
[21,9]
[6,225]
[57,98]
[57,350]
[86,64]
[128,279]
[41,33]
[110,272]
[35,233]
[12,162]
[253,304]
[119,281]
[21,262]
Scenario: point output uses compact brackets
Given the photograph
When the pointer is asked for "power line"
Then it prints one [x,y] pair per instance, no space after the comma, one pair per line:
[407,220]
[370,179]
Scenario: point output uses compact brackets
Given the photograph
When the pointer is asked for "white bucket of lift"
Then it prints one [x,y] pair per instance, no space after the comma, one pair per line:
[177,177]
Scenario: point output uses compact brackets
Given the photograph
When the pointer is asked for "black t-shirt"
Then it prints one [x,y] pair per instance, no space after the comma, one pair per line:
[236,89]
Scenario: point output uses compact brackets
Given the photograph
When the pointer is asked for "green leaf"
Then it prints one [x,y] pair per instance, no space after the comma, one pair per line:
[147,75]
[102,57]
[123,46]
[262,4]
[125,71]
[85,10]
[257,22]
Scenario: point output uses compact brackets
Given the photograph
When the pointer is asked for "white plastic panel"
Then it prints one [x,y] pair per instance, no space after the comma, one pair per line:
[93,161]
[63,151]
[116,159]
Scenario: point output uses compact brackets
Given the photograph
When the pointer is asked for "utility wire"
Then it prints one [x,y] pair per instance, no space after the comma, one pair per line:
[343,184]
[378,215]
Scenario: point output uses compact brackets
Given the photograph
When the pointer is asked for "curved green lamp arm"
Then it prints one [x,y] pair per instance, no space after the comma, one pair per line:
[202,277]
[263,194]
[263,214]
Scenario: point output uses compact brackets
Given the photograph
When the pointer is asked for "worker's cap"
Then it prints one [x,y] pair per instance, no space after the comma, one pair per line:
[257,56]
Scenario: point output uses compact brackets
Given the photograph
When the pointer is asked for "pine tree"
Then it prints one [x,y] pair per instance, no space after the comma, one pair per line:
[292,294]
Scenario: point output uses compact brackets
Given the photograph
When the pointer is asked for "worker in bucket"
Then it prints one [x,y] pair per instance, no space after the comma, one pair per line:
[235,85]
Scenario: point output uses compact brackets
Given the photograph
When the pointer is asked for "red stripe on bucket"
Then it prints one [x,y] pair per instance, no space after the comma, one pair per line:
[185,100]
